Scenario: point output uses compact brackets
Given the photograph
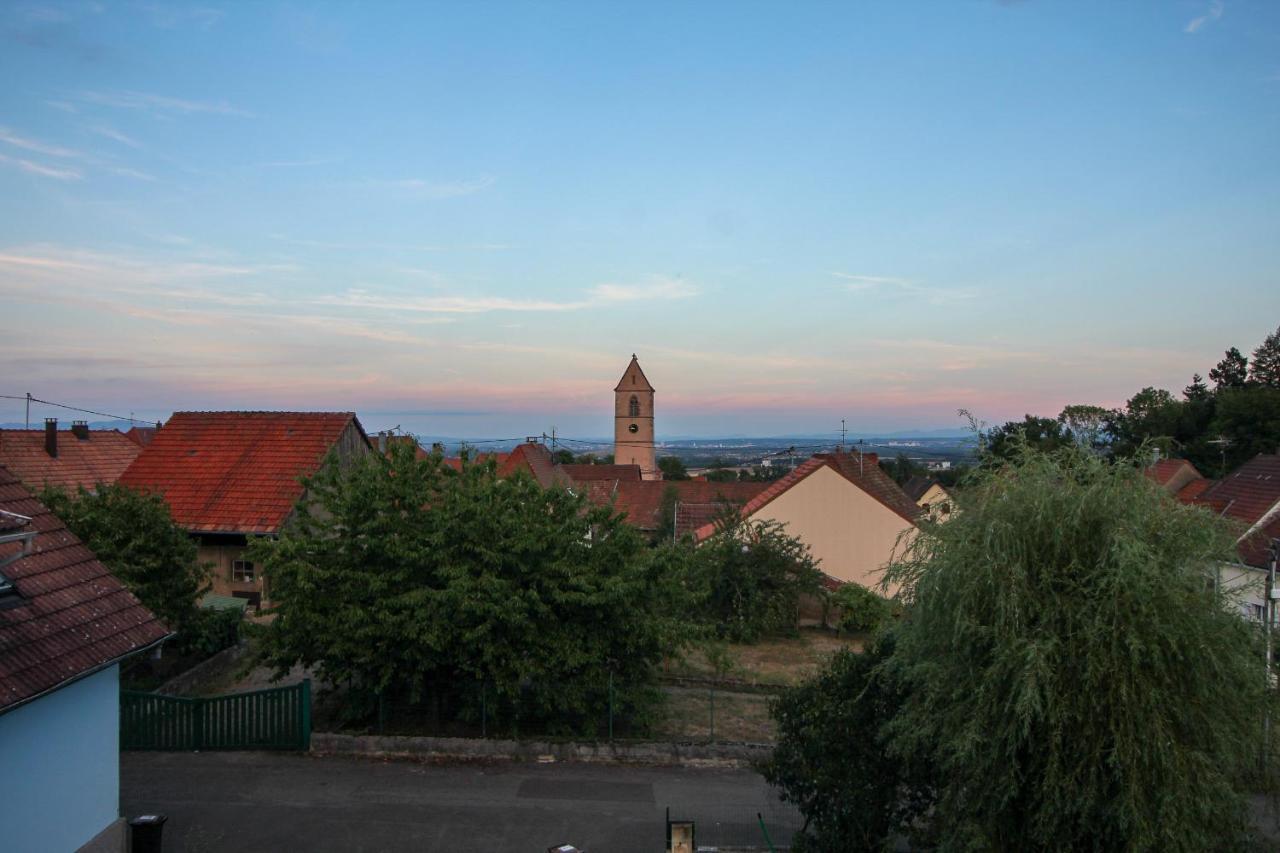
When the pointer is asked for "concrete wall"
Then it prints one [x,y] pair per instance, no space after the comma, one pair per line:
[60,767]
[852,533]
[1245,587]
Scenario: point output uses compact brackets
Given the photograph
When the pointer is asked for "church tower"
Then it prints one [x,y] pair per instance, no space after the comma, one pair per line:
[633,422]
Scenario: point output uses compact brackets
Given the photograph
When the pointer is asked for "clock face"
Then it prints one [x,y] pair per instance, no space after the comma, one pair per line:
[633,428]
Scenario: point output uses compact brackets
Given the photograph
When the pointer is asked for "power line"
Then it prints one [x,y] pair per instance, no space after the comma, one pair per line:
[30,399]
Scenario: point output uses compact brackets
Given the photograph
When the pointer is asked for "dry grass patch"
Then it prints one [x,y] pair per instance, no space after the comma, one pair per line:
[782,661]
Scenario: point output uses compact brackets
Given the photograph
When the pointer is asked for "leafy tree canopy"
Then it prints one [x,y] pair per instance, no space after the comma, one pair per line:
[1231,372]
[1073,678]
[672,468]
[134,536]
[403,576]
[753,575]
[1044,434]
[1265,369]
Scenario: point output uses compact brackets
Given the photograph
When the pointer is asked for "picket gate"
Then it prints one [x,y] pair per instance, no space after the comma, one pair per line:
[275,718]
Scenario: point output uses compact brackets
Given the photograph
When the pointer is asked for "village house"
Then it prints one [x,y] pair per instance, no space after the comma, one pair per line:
[229,476]
[1250,496]
[931,496]
[66,458]
[851,514]
[65,625]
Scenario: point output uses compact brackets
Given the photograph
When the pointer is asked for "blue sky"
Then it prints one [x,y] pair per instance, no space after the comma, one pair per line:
[464,218]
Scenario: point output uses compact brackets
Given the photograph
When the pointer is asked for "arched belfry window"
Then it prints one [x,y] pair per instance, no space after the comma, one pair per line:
[633,408]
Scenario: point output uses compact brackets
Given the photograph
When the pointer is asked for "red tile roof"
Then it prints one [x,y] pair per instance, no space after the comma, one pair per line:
[583,473]
[455,462]
[100,458]
[1191,491]
[1166,469]
[236,472]
[865,473]
[141,436]
[1251,496]
[535,460]
[72,617]
[641,500]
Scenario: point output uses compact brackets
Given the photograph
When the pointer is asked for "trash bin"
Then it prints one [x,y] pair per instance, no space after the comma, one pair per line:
[148,833]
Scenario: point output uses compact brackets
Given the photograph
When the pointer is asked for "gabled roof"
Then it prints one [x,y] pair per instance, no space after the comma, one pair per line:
[72,617]
[455,462]
[917,486]
[236,472]
[641,500]
[534,459]
[633,379]
[100,458]
[584,473]
[141,436]
[1191,491]
[1166,469]
[864,472]
[1251,496]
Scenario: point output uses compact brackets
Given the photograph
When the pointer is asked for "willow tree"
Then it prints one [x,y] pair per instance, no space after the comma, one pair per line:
[1074,679]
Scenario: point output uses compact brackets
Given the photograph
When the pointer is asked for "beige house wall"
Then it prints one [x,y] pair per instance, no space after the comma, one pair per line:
[219,557]
[933,500]
[851,533]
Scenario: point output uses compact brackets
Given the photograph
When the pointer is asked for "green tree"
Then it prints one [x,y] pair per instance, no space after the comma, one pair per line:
[753,575]
[134,536]
[1231,372]
[1197,390]
[672,468]
[1045,434]
[1265,369]
[402,577]
[901,469]
[831,759]
[861,610]
[1086,424]
[1074,678]
[562,457]
[721,475]
[1249,419]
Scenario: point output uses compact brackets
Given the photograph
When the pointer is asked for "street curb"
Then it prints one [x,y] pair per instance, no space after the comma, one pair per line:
[651,753]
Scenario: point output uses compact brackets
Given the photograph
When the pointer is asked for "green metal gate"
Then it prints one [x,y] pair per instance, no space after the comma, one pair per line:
[276,718]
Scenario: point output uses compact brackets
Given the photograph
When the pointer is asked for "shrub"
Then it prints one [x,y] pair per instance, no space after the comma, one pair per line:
[860,609]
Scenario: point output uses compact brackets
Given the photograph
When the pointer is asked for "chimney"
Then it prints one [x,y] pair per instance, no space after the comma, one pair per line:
[51,437]
[80,429]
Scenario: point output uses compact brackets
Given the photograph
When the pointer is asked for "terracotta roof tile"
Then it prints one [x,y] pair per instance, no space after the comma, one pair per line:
[1251,496]
[100,458]
[641,500]
[235,471]
[534,459]
[72,615]
[583,473]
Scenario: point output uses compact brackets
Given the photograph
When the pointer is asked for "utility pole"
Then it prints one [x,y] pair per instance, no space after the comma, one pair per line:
[843,433]
[1269,613]
[28,426]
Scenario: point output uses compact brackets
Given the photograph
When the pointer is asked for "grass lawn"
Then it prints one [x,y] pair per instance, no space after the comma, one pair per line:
[781,661]
[737,716]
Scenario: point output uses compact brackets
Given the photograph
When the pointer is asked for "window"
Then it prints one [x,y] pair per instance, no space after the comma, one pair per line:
[242,570]
[634,409]
[1255,611]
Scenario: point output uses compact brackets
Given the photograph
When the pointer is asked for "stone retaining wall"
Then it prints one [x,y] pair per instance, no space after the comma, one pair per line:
[180,683]
[618,752]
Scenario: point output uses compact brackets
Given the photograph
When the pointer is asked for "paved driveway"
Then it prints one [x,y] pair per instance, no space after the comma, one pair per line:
[281,802]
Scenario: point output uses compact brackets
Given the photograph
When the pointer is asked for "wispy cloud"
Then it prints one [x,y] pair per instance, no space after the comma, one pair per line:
[125,172]
[169,16]
[8,136]
[446,304]
[903,286]
[1216,8]
[435,189]
[115,135]
[61,174]
[146,101]
[652,288]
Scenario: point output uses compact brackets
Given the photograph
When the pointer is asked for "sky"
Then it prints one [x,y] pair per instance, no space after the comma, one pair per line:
[463,219]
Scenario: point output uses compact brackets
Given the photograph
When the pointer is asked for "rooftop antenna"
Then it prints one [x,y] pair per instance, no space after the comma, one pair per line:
[843,432]
[1222,443]
[860,441]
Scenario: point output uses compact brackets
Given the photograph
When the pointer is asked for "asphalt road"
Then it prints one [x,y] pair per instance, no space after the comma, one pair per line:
[248,802]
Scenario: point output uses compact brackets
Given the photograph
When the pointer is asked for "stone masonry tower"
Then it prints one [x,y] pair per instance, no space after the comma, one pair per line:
[633,422]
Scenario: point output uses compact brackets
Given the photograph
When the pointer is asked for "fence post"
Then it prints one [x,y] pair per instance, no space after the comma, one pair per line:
[713,713]
[484,712]
[197,709]
[610,706]
[305,724]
